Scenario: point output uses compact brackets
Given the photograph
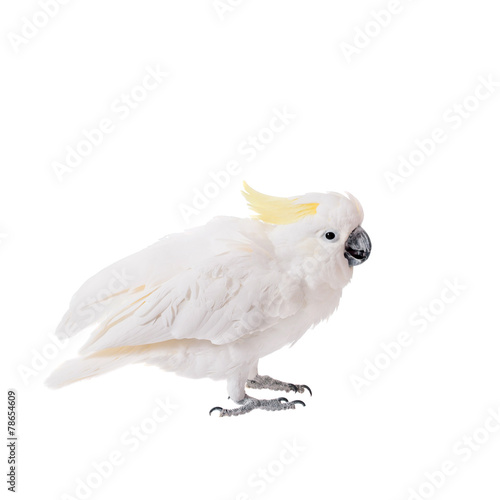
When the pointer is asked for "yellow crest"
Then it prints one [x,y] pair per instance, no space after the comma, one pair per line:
[276,210]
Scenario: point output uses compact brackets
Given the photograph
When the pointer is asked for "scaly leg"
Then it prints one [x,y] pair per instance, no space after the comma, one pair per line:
[236,389]
[248,404]
[266,382]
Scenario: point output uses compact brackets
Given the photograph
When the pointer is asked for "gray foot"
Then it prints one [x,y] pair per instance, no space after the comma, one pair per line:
[265,382]
[248,404]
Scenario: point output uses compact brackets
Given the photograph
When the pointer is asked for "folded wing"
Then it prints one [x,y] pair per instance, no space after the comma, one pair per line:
[216,283]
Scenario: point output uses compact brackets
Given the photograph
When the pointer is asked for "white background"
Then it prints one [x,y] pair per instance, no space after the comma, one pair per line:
[352,122]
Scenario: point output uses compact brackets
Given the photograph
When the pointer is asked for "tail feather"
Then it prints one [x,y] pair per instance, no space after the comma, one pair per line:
[93,365]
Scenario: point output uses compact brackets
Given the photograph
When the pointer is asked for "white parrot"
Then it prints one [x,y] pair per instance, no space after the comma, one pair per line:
[213,300]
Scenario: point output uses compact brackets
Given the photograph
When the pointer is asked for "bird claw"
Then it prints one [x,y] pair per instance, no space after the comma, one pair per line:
[248,404]
[302,387]
[216,408]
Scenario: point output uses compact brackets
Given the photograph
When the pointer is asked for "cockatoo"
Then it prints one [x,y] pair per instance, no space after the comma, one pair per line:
[213,300]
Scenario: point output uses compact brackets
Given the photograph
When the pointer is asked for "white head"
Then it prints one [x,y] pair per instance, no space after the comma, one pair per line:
[318,234]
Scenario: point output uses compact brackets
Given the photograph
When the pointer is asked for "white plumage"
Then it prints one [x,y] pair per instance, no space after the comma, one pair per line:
[212,301]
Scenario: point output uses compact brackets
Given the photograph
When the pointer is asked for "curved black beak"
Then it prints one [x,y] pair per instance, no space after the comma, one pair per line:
[357,247]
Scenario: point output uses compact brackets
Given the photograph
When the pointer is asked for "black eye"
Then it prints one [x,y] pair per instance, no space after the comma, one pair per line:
[329,235]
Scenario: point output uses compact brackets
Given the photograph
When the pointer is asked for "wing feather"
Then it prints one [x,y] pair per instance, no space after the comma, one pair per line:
[217,283]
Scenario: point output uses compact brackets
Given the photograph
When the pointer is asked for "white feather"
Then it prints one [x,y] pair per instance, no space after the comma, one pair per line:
[213,300]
